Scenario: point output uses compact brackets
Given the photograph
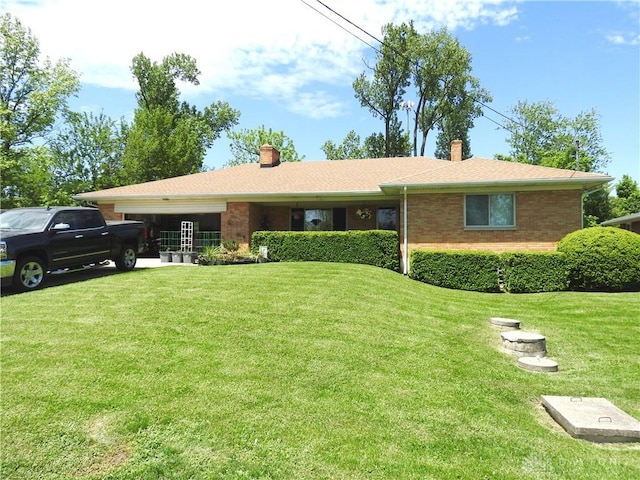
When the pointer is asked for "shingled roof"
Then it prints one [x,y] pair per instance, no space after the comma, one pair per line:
[378,176]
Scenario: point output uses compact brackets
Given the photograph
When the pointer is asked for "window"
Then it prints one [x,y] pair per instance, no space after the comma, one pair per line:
[387,218]
[311,219]
[317,219]
[89,219]
[496,210]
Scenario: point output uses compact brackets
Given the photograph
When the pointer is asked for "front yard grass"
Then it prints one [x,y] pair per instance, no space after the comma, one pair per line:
[303,371]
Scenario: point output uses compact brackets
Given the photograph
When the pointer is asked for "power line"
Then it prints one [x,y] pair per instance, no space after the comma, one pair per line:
[401,54]
[341,26]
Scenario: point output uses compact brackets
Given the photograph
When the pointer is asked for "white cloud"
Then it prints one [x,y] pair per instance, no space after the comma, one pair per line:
[622,39]
[257,48]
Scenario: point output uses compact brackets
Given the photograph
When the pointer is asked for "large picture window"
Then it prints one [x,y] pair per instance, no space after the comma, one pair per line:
[495,210]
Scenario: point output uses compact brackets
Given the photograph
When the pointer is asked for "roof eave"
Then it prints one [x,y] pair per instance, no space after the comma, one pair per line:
[228,196]
[534,184]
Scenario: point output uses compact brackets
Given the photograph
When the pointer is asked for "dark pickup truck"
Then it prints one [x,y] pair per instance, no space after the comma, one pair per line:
[39,240]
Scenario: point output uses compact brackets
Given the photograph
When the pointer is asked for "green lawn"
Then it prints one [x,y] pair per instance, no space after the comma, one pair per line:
[303,371]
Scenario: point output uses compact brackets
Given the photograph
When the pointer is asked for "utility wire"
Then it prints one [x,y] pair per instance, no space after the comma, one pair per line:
[341,26]
[381,42]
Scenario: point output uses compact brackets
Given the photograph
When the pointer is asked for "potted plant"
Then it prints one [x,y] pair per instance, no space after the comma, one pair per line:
[176,257]
[189,257]
[165,256]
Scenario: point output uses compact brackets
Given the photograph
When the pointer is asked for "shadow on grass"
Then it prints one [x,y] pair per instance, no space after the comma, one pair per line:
[57,280]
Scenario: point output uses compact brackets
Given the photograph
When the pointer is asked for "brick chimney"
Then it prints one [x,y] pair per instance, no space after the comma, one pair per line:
[456,151]
[269,156]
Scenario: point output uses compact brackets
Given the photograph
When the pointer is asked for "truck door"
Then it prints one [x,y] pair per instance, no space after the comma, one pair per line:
[77,238]
[96,242]
[64,246]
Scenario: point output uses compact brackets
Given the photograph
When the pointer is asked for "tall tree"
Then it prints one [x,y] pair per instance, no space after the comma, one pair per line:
[32,93]
[383,93]
[448,95]
[627,200]
[87,154]
[169,138]
[245,145]
[349,148]
[541,135]
[454,127]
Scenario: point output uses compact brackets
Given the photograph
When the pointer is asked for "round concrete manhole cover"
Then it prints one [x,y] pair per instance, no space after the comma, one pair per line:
[538,364]
[505,322]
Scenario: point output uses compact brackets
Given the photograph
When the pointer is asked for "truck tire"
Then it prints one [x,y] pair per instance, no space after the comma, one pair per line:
[127,258]
[29,274]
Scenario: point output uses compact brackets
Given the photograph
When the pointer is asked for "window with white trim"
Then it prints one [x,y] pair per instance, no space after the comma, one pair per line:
[490,211]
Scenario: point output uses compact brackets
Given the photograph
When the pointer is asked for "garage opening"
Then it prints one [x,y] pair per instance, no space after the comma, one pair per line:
[162,231]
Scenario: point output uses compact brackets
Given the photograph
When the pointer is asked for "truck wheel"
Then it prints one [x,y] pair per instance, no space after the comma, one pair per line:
[29,273]
[126,259]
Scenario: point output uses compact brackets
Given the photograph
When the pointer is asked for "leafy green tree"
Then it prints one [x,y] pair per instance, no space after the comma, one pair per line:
[32,93]
[372,147]
[627,200]
[540,135]
[454,127]
[169,138]
[87,154]
[383,93]
[439,68]
[449,97]
[349,148]
[396,139]
[626,187]
[597,207]
[245,145]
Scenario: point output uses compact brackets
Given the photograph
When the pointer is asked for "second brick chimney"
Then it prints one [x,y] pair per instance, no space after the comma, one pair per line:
[456,151]
[269,156]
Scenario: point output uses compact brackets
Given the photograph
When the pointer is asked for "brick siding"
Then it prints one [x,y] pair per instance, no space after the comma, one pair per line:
[109,213]
[437,221]
[542,218]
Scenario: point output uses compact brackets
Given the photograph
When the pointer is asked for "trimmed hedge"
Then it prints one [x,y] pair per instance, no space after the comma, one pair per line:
[602,259]
[461,270]
[534,272]
[525,272]
[370,247]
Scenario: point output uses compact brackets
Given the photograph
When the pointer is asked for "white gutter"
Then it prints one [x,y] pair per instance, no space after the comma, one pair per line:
[405,253]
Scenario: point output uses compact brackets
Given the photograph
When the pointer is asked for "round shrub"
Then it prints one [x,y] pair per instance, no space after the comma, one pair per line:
[602,259]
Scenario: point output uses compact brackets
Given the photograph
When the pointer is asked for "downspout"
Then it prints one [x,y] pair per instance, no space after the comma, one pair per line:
[405,253]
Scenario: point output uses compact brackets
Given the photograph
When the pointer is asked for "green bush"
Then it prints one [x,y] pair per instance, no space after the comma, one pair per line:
[370,247]
[460,270]
[602,259]
[533,272]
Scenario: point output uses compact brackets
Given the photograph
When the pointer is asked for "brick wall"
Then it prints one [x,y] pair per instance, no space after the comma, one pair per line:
[355,222]
[542,218]
[108,212]
[234,224]
[278,217]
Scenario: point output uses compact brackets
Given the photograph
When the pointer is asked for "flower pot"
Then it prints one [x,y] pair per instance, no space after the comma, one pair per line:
[189,257]
[176,257]
[165,257]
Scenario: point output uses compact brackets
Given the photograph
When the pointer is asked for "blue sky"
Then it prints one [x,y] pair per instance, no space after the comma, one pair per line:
[287,67]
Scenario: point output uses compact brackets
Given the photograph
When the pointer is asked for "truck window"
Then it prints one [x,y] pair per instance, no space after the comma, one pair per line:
[66,217]
[90,219]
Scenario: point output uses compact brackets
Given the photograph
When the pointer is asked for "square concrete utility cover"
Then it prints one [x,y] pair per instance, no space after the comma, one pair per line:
[593,419]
